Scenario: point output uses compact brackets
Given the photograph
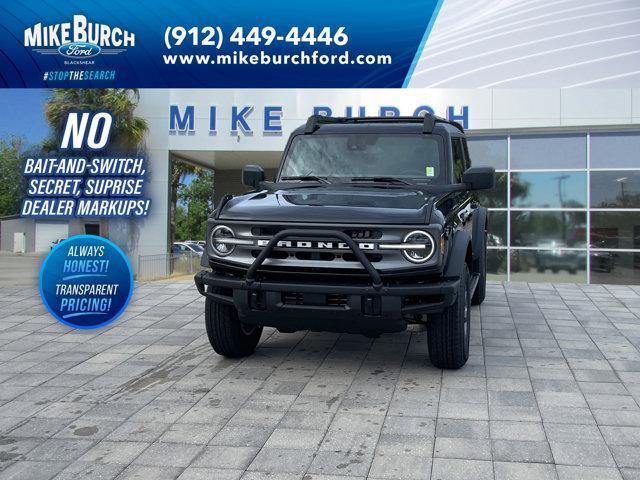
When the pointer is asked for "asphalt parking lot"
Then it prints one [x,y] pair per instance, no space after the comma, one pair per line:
[551,392]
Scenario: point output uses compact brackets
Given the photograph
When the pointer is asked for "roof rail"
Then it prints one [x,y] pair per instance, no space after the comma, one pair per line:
[428,121]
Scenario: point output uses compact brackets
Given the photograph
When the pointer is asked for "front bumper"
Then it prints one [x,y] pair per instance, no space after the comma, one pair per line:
[346,308]
[370,308]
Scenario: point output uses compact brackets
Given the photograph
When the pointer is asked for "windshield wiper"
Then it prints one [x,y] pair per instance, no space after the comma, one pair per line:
[306,178]
[382,179]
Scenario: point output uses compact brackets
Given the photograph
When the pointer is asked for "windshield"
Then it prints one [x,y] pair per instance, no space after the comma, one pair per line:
[408,156]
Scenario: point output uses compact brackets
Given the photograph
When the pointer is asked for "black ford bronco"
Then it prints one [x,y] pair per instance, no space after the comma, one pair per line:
[371,224]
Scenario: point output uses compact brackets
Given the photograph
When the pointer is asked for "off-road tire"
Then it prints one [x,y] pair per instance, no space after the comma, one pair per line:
[481,288]
[448,332]
[227,335]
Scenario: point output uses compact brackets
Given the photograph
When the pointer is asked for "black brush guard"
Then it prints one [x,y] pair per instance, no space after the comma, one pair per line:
[371,308]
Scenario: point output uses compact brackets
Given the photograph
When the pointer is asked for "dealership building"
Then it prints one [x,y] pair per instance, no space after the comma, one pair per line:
[567,203]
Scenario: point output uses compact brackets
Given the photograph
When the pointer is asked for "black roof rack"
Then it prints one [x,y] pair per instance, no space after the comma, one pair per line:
[428,121]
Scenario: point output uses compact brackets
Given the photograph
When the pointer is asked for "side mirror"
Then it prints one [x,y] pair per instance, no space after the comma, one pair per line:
[479,178]
[252,175]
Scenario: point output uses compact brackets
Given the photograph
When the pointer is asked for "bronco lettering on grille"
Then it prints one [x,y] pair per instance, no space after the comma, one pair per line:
[316,245]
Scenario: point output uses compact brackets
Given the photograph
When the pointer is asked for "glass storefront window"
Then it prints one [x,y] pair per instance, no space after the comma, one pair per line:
[615,230]
[548,151]
[619,189]
[540,228]
[615,267]
[497,264]
[496,198]
[488,151]
[548,229]
[564,266]
[549,189]
[615,150]
[497,231]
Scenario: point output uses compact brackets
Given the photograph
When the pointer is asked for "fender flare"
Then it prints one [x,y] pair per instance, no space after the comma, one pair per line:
[457,254]
[479,227]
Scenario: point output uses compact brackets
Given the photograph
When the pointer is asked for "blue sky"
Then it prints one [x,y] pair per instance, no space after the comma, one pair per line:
[22,113]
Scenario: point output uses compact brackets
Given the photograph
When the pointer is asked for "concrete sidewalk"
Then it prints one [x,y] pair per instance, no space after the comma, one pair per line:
[551,391]
[20,269]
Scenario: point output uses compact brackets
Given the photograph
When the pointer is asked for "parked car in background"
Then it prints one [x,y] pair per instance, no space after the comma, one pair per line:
[186,247]
[602,261]
[202,243]
[56,242]
[553,256]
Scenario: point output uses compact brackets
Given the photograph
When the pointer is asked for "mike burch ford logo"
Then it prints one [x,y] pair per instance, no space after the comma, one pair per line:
[79,40]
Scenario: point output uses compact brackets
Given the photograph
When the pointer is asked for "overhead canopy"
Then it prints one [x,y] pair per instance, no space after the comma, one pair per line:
[229,160]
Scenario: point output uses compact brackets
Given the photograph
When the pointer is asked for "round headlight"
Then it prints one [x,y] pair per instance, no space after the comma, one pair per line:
[222,232]
[425,246]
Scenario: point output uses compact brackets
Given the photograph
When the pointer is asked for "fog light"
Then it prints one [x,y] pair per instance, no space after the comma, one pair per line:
[425,246]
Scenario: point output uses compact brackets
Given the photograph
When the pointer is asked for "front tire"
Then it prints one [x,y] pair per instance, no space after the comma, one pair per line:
[448,333]
[227,335]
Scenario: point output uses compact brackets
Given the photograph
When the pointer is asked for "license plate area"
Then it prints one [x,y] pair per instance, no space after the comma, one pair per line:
[336,300]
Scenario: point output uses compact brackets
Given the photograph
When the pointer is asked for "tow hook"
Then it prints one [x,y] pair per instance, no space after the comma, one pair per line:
[371,305]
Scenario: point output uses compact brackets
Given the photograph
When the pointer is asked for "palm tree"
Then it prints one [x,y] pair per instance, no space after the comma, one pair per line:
[128,129]
[179,170]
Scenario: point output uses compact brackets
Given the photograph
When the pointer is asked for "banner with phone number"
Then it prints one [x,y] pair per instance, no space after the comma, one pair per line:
[212,43]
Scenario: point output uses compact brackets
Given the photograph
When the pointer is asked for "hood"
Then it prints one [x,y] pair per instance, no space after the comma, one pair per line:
[332,204]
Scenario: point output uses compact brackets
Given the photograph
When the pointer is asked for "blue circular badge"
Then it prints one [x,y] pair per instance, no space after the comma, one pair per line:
[86,281]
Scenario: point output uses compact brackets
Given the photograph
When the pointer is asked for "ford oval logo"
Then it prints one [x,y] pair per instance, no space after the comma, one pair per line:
[79,50]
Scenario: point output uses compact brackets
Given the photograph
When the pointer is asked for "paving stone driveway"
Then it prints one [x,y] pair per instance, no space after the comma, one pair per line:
[551,391]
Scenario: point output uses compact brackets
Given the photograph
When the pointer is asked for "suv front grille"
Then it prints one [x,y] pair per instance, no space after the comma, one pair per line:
[373,257]
[323,253]
[323,256]
[356,234]
[268,231]
[278,254]
[317,256]
[364,234]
